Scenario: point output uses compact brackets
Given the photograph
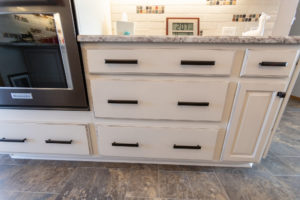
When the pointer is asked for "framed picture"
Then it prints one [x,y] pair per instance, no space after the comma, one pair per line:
[19,80]
[183,26]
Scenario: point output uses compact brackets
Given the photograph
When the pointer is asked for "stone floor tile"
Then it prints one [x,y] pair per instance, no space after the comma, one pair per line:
[36,179]
[190,185]
[9,195]
[252,184]
[277,166]
[111,183]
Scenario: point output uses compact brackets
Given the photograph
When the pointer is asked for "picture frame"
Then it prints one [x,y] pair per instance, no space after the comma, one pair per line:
[182,26]
[19,80]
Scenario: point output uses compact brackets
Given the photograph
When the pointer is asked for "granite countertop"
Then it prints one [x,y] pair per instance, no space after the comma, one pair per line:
[190,39]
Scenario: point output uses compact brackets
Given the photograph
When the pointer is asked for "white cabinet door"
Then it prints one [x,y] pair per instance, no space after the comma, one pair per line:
[253,116]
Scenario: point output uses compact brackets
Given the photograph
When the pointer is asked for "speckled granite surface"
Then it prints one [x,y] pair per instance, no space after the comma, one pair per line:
[203,40]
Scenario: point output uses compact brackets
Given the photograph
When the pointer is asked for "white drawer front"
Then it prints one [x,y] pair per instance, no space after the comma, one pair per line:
[36,135]
[159,99]
[165,61]
[196,144]
[277,63]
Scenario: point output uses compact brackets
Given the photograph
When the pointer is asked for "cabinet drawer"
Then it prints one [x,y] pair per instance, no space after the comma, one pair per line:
[157,99]
[44,138]
[277,63]
[161,61]
[153,142]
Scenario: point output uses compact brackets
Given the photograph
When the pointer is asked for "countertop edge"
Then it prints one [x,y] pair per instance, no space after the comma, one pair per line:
[189,39]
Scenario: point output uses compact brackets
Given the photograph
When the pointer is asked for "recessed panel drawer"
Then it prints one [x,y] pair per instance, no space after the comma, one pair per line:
[154,142]
[161,61]
[269,63]
[159,99]
[44,138]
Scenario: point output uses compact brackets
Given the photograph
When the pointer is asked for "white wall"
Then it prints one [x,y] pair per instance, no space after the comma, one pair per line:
[286,14]
[296,31]
[93,17]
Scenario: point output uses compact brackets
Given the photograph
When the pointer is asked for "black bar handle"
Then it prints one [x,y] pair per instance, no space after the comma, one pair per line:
[13,140]
[273,64]
[191,62]
[197,147]
[49,141]
[115,144]
[182,103]
[120,61]
[122,101]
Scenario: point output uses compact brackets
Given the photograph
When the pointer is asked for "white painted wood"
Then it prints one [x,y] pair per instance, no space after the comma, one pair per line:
[157,99]
[157,142]
[36,134]
[115,159]
[253,57]
[280,113]
[161,61]
[253,116]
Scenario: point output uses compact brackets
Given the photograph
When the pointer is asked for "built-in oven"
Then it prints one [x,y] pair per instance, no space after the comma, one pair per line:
[40,63]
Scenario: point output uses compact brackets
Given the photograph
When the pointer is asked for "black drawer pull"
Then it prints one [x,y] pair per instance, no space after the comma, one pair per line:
[191,62]
[115,144]
[122,61]
[182,103]
[49,141]
[198,147]
[122,101]
[13,140]
[273,64]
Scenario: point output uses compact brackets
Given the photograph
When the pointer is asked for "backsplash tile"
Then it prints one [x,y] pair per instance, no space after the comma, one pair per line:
[152,9]
[212,18]
[246,18]
[221,2]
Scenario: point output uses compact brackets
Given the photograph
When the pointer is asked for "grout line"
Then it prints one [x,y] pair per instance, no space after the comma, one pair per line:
[19,191]
[158,182]
[220,182]
[286,175]
[68,179]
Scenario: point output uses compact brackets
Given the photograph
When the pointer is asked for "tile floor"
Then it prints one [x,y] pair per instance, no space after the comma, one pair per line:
[277,177]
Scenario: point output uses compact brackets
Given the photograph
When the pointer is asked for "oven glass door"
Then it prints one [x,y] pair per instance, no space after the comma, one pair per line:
[33,52]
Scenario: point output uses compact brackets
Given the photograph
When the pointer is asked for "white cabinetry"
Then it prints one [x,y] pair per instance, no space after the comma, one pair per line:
[255,110]
[166,103]
[44,138]
[134,84]
[159,99]
[157,142]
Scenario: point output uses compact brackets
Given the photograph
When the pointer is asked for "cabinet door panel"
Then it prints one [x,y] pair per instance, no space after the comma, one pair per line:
[256,107]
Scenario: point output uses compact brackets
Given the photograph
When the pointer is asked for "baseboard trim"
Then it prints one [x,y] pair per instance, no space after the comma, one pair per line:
[124,160]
